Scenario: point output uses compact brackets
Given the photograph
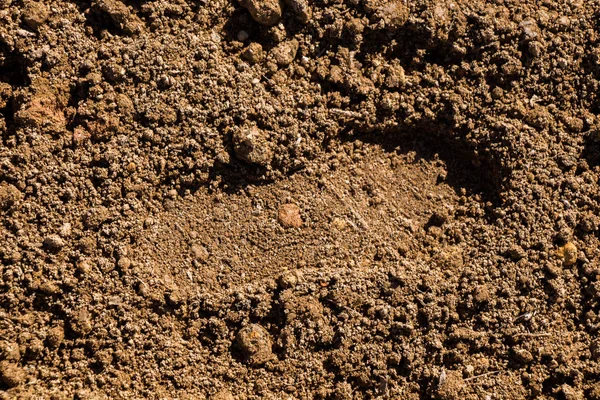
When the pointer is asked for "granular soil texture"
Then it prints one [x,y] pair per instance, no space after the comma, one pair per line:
[312,199]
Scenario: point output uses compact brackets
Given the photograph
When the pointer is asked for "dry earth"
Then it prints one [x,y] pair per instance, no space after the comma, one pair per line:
[312,199]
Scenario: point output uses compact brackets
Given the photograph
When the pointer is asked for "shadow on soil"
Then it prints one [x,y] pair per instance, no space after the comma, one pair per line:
[467,172]
[591,152]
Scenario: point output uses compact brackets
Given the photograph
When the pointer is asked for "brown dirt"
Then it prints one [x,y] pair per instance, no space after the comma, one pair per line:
[302,199]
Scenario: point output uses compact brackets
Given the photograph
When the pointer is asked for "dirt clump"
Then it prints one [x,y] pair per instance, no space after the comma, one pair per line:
[35,14]
[252,145]
[222,395]
[55,336]
[265,12]
[569,253]
[81,323]
[285,53]
[9,196]
[255,343]
[301,8]
[450,385]
[120,15]
[12,375]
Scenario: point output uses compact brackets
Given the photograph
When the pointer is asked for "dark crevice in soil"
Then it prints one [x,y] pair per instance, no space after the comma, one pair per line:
[9,121]
[79,93]
[12,68]
[13,72]
[591,151]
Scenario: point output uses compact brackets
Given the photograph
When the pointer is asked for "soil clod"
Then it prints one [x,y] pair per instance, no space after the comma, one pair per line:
[265,12]
[252,145]
[12,375]
[255,343]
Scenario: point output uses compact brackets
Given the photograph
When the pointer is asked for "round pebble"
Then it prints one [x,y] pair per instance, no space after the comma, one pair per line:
[254,53]
[285,52]
[289,216]
[124,263]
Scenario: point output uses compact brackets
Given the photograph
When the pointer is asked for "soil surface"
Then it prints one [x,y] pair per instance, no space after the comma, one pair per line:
[305,199]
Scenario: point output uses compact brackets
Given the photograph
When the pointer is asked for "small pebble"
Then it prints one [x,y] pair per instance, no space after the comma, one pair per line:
[9,195]
[131,167]
[497,93]
[95,217]
[49,288]
[255,343]
[522,356]
[339,223]
[9,351]
[529,30]
[84,267]
[289,216]
[199,252]
[124,263]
